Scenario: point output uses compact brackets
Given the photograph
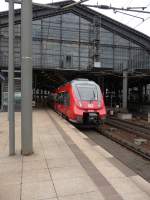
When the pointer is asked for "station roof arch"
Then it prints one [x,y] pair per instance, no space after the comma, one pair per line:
[90,15]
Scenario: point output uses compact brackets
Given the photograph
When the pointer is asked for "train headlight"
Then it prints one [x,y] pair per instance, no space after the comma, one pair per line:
[99,104]
[80,104]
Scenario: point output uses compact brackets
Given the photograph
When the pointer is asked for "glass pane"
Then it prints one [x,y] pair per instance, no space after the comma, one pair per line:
[106,37]
[88,93]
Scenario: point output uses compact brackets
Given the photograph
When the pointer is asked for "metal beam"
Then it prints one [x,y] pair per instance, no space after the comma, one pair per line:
[74,4]
[35,4]
[26,78]
[11,114]
[125,90]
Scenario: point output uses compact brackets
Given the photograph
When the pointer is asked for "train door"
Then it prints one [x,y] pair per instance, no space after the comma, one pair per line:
[66,103]
[59,103]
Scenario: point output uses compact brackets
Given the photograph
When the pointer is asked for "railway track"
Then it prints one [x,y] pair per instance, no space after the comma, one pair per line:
[126,143]
[130,127]
[134,123]
[126,133]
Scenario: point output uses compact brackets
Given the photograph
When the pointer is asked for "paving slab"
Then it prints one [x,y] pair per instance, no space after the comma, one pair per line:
[124,186]
[10,192]
[74,186]
[34,165]
[30,176]
[62,162]
[13,167]
[38,190]
[10,178]
[68,172]
[84,196]
[144,185]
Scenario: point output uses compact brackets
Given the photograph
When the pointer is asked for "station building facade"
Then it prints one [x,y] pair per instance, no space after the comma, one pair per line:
[78,39]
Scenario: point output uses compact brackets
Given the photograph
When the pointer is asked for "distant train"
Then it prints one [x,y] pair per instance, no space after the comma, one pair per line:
[80,101]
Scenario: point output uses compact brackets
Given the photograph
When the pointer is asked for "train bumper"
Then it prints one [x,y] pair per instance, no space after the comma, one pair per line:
[93,118]
[90,118]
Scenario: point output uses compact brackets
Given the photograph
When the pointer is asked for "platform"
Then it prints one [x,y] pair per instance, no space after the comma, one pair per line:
[66,165]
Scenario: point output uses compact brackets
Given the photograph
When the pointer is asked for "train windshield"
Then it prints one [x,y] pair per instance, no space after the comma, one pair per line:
[87,92]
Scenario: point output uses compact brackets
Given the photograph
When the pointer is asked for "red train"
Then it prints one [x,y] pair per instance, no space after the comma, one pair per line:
[80,101]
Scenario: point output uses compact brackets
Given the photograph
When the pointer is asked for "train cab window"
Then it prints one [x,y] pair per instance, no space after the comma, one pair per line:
[87,92]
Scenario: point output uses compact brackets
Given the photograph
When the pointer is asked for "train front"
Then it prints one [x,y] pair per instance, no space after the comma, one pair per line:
[89,107]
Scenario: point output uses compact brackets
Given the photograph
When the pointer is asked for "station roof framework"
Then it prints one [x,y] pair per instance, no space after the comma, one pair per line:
[90,15]
[87,13]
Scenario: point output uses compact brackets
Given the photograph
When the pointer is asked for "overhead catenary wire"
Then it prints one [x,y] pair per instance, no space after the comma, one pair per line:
[142,22]
[127,4]
[144,19]
[138,15]
[129,15]
[105,7]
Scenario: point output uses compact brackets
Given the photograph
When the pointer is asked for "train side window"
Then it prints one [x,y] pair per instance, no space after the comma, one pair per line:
[61,98]
[66,99]
[57,98]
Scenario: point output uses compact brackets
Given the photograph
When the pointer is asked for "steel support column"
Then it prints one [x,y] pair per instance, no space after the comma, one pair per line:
[79,52]
[26,78]
[61,59]
[11,114]
[125,90]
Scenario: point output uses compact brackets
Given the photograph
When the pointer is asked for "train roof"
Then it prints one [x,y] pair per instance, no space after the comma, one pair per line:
[82,80]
